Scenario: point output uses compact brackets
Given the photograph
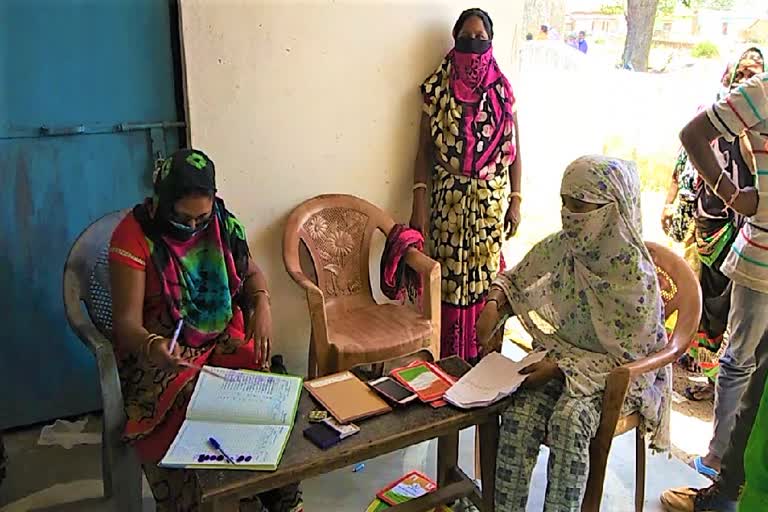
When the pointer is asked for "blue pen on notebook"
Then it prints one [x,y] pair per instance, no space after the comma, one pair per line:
[176,336]
[216,446]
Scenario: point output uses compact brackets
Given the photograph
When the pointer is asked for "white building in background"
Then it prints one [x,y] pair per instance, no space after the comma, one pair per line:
[596,24]
[686,27]
[586,5]
[726,25]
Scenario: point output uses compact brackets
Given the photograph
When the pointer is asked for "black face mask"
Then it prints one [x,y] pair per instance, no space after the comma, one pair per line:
[469,45]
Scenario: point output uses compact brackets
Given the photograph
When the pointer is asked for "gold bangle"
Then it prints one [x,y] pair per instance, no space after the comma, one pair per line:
[517,195]
[148,342]
[260,291]
[417,186]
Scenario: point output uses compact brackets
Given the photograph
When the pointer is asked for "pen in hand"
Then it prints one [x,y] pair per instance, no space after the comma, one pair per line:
[175,336]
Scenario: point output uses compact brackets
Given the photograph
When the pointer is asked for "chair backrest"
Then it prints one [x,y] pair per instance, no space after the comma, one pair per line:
[86,280]
[336,229]
[686,302]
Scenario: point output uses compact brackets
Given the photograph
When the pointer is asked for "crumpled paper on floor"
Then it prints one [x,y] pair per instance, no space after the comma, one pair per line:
[68,434]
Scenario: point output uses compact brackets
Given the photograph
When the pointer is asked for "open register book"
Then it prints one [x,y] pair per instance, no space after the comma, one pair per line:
[495,377]
[250,414]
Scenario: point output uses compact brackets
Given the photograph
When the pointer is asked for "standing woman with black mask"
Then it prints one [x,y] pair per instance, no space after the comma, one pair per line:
[469,151]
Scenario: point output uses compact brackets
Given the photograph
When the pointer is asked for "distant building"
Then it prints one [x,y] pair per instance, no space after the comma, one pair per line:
[724,24]
[685,27]
[595,23]
[757,32]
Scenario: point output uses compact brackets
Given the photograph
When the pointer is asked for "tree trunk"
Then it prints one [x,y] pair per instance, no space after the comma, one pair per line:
[640,15]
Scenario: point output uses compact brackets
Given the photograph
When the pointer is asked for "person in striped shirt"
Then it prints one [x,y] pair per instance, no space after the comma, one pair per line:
[744,366]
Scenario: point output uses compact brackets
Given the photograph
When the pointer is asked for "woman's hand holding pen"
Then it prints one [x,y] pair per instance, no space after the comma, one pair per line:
[162,355]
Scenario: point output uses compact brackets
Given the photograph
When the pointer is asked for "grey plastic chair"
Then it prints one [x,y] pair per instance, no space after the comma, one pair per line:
[88,306]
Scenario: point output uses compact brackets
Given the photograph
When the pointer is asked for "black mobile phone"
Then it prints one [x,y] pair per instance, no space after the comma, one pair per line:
[392,390]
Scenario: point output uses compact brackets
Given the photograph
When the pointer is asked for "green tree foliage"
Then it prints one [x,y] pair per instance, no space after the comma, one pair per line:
[612,9]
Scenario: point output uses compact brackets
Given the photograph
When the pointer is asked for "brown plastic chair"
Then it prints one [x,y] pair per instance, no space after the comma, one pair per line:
[88,306]
[687,303]
[348,327]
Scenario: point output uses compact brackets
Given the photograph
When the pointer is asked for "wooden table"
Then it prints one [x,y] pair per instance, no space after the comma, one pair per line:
[222,490]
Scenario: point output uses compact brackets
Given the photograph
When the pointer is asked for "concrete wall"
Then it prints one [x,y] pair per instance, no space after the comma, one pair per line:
[294,99]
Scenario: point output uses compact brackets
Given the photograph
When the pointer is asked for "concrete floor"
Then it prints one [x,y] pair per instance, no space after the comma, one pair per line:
[55,479]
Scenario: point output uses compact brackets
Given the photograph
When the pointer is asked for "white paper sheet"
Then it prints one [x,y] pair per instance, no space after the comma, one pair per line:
[494,378]
[247,397]
[264,443]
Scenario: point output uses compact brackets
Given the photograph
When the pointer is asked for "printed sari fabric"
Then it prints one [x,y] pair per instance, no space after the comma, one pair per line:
[467,234]
[470,106]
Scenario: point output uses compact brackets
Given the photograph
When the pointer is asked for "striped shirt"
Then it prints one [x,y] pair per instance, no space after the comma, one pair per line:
[745,111]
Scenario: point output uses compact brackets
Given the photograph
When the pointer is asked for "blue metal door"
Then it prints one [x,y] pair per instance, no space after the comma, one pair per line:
[88,98]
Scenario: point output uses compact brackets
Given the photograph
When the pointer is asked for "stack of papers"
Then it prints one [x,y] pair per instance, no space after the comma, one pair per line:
[494,378]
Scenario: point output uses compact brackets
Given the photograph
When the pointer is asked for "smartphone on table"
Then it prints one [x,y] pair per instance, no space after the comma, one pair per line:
[392,390]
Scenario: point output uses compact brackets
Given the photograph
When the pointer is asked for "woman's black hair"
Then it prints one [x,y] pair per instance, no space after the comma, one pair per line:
[195,191]
[487,22]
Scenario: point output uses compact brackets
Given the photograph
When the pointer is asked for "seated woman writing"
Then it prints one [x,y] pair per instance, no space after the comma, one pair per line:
[588,295]
[181,258]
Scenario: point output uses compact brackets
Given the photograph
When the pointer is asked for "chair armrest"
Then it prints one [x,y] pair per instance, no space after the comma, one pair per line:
[317,316]
[420,262]
[429,269]
[315,296]
[653,362]
[93,338]
[675,348]
[302,280]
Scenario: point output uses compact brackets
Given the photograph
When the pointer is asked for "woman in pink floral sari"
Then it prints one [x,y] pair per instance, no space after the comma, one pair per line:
[469,150]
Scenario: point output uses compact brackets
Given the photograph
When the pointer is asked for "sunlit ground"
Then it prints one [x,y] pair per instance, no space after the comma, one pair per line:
[572,107]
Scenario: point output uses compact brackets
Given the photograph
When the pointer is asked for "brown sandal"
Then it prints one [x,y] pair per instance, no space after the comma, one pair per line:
[700,392]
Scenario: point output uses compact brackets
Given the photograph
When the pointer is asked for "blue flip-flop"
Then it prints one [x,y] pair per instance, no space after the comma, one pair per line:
[703,469]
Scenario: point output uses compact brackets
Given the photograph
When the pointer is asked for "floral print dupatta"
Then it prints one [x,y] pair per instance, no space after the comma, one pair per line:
[589,294]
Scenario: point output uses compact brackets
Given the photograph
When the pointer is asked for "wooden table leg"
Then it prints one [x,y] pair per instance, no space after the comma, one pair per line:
[447,457]
[489,443]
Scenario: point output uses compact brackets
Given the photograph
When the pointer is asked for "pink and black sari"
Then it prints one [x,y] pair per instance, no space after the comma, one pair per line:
[470,105]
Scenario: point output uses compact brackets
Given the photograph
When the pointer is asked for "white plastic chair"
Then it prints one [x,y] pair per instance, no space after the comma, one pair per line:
[88,306]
